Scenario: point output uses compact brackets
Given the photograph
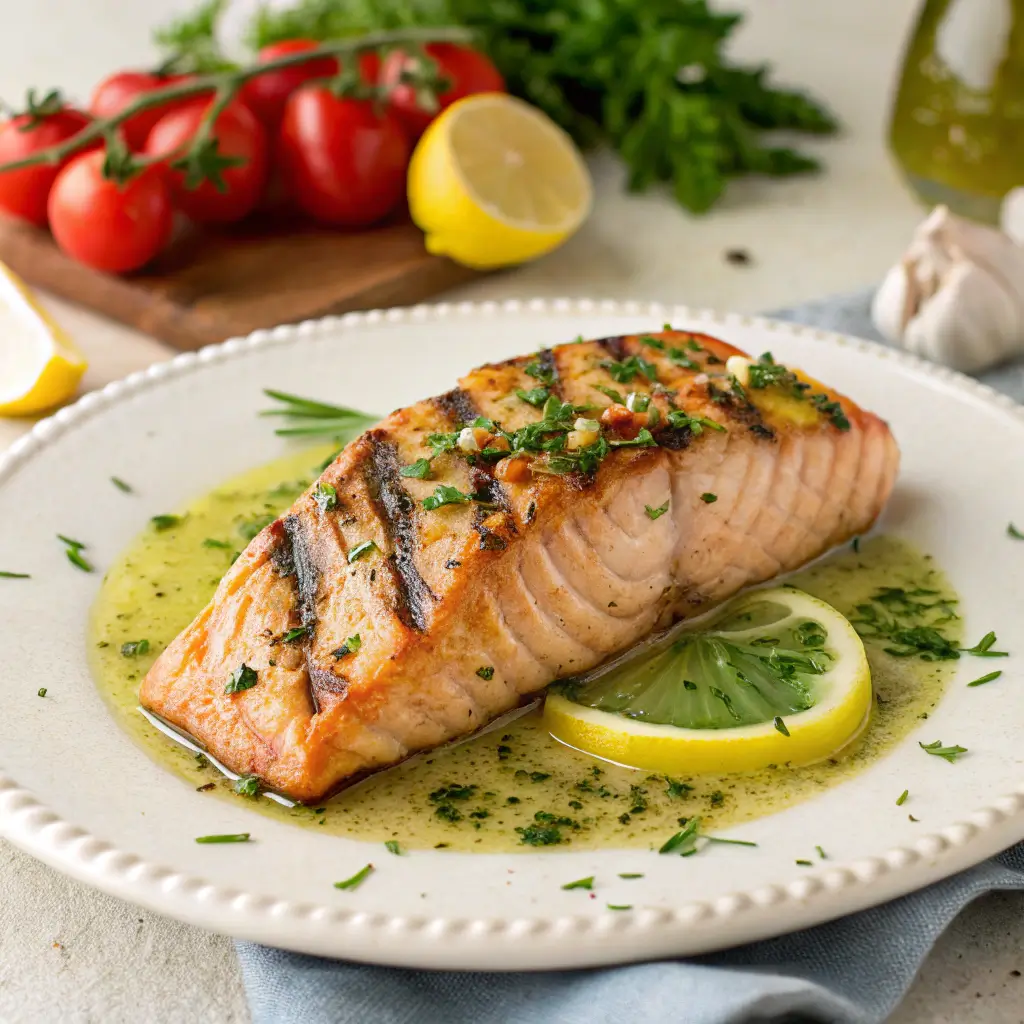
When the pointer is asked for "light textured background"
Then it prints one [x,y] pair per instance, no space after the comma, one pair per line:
[71,954]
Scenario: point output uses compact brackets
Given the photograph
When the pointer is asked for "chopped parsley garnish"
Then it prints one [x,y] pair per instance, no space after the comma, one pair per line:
[619,906]
[902,798]
[831,410]
[656,513]
[630,874]
[949,754]
[728,842]
[580,883]
[655,343]
[609,393]
[74,550]
[626,370]
[325,496]
[486,672]
[910,817]
[41,692]
[248,785]
[134,647]
[243,678]
[679,420]
[540,371]
[451,791]
[419,470]
[535,396]
[1014,532]
[14,575]
[644,439]
[677,789]
[291,635]
[983,648]
[249,528]
[805,863]
[237,837]
[910,621]
[687,836]
[708,498]
[211,542]
[540,835]
[445,495]
[780,725]
[357,879]
[986,679]
[821,853]
[350,646]
[362,548]
[165,522]
[120,484]
[391,845]
[681,359]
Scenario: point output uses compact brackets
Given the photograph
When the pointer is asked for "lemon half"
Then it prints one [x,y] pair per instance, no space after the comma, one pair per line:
[39,367]
[776,678]
[494,182]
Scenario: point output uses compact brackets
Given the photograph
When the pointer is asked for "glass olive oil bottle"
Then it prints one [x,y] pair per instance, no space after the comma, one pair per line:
[958,123]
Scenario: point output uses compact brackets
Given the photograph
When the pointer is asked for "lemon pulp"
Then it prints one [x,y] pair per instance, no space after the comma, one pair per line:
[777,678]
[39,367]
[494,182]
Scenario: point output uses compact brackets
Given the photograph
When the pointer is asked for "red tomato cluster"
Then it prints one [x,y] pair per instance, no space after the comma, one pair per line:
[287,140]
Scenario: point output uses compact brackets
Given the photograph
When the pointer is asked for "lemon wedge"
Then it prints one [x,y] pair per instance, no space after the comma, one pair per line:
[39,367]
[494,182]
[777,677]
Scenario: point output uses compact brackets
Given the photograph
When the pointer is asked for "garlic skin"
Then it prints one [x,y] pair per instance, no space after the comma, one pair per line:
[957,295]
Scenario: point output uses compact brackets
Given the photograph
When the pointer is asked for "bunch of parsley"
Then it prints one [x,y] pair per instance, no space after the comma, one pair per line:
[646,77]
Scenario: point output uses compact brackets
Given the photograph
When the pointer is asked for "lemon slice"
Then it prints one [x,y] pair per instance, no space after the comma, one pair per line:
[777,677]
[495,182]
[39,367]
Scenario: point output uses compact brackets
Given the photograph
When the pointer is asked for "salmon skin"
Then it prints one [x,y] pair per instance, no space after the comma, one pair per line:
[468,550]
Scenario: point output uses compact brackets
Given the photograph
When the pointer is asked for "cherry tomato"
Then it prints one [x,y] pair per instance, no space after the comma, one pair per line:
[23,193]
[239,135]
[105,225]
[344,160]
[113,94]
[267,94]
[468,71]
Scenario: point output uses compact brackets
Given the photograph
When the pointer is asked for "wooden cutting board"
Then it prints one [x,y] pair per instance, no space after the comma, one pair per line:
[210,286]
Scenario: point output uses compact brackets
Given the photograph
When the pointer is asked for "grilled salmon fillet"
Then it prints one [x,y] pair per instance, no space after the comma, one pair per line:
[470,549]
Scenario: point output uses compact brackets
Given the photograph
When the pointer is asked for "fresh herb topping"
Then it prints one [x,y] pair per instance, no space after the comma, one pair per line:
[41,692]
[445,495]
[676,789]
[535,396]
[361,549]
[821,853]
[683,838]
[486,672]
[611,393]
[325,496]
[120,484]
[243,678]
[910,817]
[831,410]
[211,542]
[728,842]
[902,798]
[679,420]
[805,863]
[708,498]
[780,725]
[630,874]
[14,575]
[681,359]
[540,371]
[307,418]
[73,550]
[250,528]
[626,370]
[292,635]
[656,513]
[949,754]
[357,879]
[419,470]
[391,845]
[910,621]
[765,372]
[644,439]
[986,679]
[165,522]
[983,648]
[350,646]
[237,837]
[619,906]
[248,786]
[580,883]
[1014,532]
[134,647]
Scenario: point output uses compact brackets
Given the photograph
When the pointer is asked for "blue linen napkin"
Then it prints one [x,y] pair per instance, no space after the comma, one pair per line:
[851,971]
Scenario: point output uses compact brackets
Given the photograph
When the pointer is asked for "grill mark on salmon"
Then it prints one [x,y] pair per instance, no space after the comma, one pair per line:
[563,573]
[397,512]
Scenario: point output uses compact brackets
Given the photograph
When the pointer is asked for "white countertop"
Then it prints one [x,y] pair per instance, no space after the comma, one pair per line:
[75,955]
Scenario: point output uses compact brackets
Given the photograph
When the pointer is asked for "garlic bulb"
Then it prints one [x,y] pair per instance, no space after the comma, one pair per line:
[957,295]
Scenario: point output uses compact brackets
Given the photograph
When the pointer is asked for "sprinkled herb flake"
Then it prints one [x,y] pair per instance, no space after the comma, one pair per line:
[684,838]
[630,874]
[73,550]
[611,393]
[619,906]
[350,646]
[539,371]
[418,470]
[625,371]
[728,842]
[248,786]
[821,853]
[361,549]
[392,846]
[486,672]
[679,420]
[580,883]
[165,522]
[445,495]
[656,513]
[291,636]
[949,754]
[41,692]
[4,575]
[540,835]
[1013,532]
[357,879]
[902,798]
[780,725]
[535,396]
[708,498]
[121,485]
[222,545]
[325,496]
[133,648]
[243,678]
[805,863]
[986,679]
[983,648]
[237,837]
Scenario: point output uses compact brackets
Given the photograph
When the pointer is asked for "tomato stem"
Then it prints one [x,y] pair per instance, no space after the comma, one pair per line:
[225,86]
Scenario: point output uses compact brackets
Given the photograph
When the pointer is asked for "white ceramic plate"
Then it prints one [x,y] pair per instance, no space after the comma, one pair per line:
[78,794]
